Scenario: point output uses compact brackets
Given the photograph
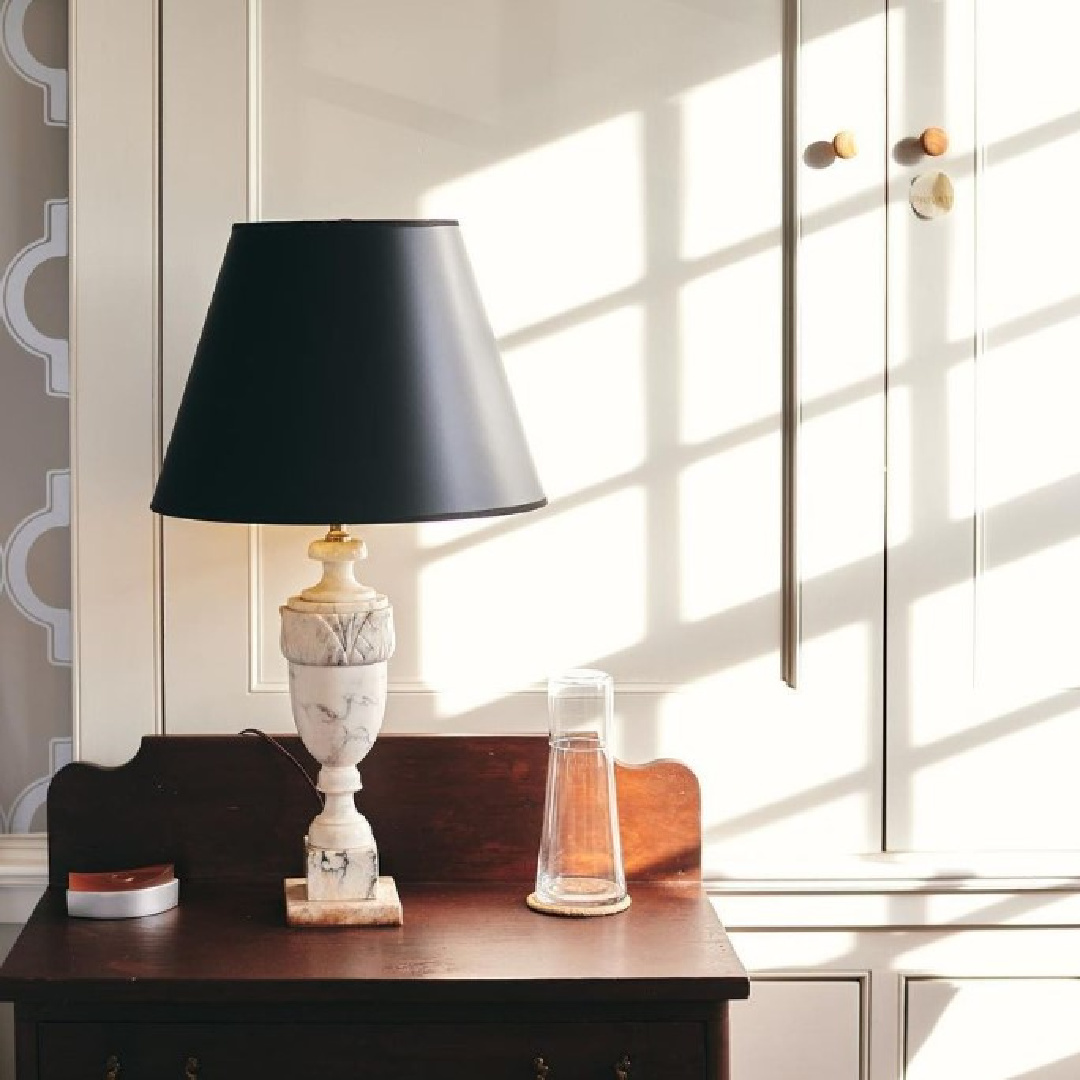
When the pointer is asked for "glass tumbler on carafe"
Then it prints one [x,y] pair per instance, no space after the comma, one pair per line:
[580,862]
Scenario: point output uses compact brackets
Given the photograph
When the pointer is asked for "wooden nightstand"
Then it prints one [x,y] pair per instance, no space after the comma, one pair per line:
[474,985]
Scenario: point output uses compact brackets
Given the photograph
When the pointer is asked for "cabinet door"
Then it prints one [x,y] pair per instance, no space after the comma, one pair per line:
[952,1024]
[984,448]
[821,1021]
[617,171]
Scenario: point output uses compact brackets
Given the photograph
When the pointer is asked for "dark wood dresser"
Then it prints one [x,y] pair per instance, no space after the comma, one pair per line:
[474,985]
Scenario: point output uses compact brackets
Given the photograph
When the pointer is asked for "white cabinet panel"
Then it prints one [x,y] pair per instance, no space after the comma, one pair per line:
[995,1029]
[984,448]
[800,1027]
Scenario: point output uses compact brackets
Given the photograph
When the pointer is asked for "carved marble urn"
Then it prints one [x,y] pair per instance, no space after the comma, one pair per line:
[337,637]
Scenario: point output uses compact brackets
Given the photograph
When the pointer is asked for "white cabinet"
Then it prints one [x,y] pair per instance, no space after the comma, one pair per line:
[983,553]
[794,1027]
[996,1029]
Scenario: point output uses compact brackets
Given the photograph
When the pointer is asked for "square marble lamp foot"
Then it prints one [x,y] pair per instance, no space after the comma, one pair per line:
[384,909]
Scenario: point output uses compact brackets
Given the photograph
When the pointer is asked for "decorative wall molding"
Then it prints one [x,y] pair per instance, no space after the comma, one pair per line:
[24,873]
[54,351]
[914,872]
[939,911]
[55,515]
[53,81]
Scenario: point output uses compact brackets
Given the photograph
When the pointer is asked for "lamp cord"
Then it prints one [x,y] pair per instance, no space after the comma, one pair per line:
[281,750]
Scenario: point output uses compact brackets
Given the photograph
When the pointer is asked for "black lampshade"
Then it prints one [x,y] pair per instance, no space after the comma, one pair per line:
[347,374]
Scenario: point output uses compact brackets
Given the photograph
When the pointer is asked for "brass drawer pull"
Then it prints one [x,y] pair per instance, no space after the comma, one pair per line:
[112,1067]
[541,1067]
[622,1068]
[191,1068]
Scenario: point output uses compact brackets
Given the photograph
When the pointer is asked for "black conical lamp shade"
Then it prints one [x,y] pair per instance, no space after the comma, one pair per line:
[346,373]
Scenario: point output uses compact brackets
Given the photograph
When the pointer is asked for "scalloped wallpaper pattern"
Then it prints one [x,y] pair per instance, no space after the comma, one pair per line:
[35,477]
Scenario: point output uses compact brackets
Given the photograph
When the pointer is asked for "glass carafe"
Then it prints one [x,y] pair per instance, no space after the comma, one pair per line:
[580,862]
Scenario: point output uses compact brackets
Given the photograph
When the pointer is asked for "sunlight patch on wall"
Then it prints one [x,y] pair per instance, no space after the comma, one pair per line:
[951,1023]
[1027,624]
[938,690]
[1028,390]
[762,953]
[958,444]
[845,355]
[503,613]
[728,344]
[779,774]
[963,801]
[977,957]
[848,649]
[840,461]
[1025,268]
[554,228]
[1039,37]
[581,394]
[823,827]
[899,456]
[730,198]
[728,533]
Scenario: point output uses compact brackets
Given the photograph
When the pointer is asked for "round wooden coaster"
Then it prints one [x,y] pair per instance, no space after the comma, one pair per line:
[577,911]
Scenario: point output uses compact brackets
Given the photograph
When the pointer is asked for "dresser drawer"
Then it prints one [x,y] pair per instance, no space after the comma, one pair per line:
[384,1051]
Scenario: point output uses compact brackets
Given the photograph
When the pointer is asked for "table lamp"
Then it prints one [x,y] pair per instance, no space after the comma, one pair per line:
[346,372]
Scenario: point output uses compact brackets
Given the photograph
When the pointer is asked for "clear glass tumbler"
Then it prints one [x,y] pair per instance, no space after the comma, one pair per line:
[580,862]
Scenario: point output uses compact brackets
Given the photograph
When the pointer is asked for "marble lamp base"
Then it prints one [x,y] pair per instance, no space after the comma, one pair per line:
[337,638]
[384,909]
[346,874]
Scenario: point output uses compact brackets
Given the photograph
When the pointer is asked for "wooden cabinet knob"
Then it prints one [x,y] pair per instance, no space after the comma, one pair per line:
[934,141]
[844,144]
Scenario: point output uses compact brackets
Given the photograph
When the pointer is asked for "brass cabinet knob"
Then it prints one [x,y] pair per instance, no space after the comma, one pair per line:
[934,141]
[844,144]
[112,1067]
[622,1068]
[191,1068]
[541,1067]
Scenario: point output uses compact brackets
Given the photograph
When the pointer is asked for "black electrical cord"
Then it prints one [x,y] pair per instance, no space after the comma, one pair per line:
[281,749]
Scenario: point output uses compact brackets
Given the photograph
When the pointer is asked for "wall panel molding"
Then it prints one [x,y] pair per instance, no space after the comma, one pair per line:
[114,337]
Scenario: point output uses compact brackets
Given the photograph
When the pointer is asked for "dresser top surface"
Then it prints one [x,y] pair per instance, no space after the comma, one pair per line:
[458,821]
[458,943]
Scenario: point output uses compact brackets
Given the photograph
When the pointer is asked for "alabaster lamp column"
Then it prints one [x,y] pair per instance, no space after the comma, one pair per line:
[337,637]
[346,372]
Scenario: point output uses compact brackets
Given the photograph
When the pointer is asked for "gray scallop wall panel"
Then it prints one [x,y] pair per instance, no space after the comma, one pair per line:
[35,477]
